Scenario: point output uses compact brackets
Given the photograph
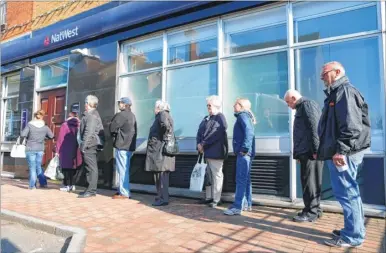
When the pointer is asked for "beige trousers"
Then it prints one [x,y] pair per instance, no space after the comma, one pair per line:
[214,191]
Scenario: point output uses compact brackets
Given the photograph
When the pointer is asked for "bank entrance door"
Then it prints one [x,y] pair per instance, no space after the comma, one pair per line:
[53,102]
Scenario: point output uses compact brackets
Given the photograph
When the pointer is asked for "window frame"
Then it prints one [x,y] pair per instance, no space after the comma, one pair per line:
[38,67]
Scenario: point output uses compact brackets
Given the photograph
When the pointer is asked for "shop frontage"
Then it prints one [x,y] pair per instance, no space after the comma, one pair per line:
[183,52]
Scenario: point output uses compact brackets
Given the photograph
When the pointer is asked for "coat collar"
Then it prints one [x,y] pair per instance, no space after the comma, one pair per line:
[336,85]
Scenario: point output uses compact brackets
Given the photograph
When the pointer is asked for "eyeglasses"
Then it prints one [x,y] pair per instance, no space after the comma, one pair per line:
[209,105]
[324,73]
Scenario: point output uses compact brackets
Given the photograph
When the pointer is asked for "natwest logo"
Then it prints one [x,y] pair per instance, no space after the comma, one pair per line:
[63,35]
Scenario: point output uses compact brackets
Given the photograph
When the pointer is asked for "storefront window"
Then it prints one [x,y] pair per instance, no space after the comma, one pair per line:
[314,21]
[187,89]
[12,115]
[192,44]
[54,74]
[142,55]
[358,57]
[263,80]
[261,30]
[144,90]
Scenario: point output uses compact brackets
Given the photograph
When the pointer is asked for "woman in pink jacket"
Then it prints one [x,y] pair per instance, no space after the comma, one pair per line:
[67,148]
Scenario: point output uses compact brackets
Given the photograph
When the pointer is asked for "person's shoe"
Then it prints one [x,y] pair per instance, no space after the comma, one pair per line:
[215,204]
[119,197]
[340,243]
[336,233]
[65,189]
[205,201]
[44,186]
[87,195]
[72,188]
[232,211]
[160,203]
[305,218]
[247,208]
[32,188]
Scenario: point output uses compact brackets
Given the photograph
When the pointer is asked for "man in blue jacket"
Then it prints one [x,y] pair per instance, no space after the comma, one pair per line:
[305,147]
[344,133]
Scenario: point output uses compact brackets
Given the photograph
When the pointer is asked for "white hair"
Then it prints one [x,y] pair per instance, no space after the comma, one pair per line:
[162,105]
[336,65]
[92,101]
[215,101]
[292,92]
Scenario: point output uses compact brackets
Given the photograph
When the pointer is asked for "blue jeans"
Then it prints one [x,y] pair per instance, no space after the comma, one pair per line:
[243,182]
[122,158]
[346,191]
[34,160]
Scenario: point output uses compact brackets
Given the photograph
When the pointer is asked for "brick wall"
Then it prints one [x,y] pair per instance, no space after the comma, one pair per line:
[31,15]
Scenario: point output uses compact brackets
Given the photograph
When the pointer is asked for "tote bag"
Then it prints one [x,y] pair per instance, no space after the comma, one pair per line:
[18,150]
[198,175]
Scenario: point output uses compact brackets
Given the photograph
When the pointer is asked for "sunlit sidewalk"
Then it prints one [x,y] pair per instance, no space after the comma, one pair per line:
[183,226]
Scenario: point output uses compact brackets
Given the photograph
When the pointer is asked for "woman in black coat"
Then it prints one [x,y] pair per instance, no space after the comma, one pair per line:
[156,161]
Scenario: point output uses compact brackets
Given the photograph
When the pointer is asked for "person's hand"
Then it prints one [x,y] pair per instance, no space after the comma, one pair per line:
[338,160]
[243,153]
[200,148]
[315,156]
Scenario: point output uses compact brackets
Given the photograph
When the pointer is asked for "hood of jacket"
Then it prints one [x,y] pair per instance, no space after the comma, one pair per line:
[73,122]
[244,112]
[37,123]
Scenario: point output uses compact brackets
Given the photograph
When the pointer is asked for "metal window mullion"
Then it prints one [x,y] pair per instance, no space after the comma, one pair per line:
[141,72]
[164,64]
[291,84]
[220,53]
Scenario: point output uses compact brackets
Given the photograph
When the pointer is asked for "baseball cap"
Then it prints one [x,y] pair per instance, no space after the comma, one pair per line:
[125,100]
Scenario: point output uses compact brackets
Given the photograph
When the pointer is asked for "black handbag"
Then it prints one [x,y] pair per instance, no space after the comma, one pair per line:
[170,146]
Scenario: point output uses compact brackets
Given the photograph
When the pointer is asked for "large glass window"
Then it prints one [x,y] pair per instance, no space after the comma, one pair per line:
[318,20]
[257,31]
[12,115]
[54,74]
[361,60]
[192,44]
[187,89]
[144,90]
[142,55]
[263,80]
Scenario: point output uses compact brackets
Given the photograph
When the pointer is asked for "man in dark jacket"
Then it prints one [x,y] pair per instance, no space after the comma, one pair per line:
[344,133]
[92,138]
[123,129]
[305,148]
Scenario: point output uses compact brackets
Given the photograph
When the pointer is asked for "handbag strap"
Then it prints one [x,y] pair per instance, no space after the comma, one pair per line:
[18,141]
[24,142]
[202,157]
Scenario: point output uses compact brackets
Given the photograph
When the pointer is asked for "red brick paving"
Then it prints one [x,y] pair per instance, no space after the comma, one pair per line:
[183,226]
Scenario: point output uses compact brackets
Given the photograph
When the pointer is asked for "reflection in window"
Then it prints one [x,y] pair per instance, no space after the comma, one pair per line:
[358,57]
[143,55]
[144,90]
[13,84]
[12,119]
[54,74]
[264,81]
[187,89]
[352,21]
[193,44]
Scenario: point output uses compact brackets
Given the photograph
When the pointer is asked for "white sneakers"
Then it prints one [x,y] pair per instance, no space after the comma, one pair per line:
[68,188]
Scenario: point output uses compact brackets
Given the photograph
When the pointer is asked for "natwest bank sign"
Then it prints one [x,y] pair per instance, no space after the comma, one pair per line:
[61,36]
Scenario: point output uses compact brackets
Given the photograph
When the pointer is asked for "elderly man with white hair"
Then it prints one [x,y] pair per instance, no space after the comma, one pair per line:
[212,141]
[92,138]
[157,161]
[305,148]
[344,133]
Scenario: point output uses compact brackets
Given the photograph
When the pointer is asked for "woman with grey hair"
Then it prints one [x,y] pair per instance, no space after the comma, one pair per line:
[156,161]
[212,141]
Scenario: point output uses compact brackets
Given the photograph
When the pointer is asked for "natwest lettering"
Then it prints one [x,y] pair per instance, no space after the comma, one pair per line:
[63,35]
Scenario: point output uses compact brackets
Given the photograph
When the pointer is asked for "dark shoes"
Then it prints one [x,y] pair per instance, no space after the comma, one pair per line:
[205,201]
[338,242]
[119,196]
[215,204]
[305,217]
[86,195]
[160,203]
[336,233]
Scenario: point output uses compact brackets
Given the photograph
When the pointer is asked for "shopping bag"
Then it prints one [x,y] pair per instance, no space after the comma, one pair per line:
[198,175]
[51,170]
[18,150]
[208,177]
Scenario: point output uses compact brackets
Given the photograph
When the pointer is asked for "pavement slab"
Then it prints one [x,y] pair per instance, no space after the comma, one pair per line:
[133,225]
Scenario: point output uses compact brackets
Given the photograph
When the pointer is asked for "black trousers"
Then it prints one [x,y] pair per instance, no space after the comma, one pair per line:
[91,167]
[311,177]
[68,176]
[161,180]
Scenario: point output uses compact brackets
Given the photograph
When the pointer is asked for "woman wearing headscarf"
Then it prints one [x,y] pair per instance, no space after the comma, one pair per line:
[244,149]
[156,161]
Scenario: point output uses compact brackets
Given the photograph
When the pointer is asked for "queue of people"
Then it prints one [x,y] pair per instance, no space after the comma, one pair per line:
[338,135]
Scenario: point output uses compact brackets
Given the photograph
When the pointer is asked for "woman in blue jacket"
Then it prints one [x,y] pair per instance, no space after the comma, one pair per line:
[244,149]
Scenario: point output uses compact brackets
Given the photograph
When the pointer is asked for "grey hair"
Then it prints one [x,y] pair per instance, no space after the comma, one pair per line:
[336,65]
[92,101]
[292,92]
[215,101]
[162,105]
